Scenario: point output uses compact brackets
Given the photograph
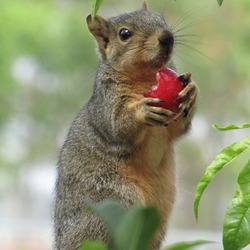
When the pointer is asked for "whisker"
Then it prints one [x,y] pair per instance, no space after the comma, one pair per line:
[187,40]
[190,35]
[121,72]
[184,17]
[196,50]
[136,50]
[192,41]
[141,47]
[191,25]
[187,43]
[185,56]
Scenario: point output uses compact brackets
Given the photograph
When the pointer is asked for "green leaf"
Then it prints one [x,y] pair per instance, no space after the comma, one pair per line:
[94,7]
[236,227]
[244,179]
[220,2]
[231,127]
[111,212]
[220,161]
[187,245]
[137,228]
[92,245]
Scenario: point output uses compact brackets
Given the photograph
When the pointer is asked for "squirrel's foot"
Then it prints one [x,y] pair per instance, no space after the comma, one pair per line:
[187,97]
[154,116]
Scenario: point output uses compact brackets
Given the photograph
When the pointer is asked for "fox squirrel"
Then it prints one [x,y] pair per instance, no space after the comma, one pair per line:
[120,146]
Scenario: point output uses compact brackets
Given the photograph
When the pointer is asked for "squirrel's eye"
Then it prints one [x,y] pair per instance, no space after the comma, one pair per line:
[125,34]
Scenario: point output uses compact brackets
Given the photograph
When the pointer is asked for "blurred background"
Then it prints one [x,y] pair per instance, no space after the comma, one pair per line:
[47,67]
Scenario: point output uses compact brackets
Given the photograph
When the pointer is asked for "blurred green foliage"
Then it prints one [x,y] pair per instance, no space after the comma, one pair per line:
[43,64]
[133,229]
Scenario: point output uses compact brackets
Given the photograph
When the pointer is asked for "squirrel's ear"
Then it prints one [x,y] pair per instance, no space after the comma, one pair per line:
[99,29]
[144,5]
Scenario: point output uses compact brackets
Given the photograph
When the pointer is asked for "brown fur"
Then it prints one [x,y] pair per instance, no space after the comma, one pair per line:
[119,146]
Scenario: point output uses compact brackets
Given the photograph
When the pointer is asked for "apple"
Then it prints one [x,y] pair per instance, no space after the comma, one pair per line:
[170,84]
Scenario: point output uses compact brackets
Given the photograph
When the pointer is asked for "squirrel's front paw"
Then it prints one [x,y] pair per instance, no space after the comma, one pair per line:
[154,116]
[188,98]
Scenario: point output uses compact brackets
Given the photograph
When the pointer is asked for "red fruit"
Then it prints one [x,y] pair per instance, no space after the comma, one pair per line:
[168,88]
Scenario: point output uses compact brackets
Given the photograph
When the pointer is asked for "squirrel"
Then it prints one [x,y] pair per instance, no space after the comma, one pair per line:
[120,146]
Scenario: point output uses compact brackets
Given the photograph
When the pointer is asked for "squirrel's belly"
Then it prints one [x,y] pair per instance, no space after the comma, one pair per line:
[153,149]
[152,170]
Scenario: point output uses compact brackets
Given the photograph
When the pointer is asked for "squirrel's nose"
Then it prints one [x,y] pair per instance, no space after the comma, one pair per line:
[166,39]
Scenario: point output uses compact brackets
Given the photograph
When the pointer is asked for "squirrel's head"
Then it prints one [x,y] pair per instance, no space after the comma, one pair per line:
[134,42]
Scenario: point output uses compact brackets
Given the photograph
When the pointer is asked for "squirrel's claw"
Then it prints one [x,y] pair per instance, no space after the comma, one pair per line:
[185,78]
[188,100]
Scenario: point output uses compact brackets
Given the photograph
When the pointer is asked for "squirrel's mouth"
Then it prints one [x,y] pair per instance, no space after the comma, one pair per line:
[162,59]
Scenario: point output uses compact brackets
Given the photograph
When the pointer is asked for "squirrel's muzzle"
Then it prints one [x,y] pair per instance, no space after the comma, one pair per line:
[166,40]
